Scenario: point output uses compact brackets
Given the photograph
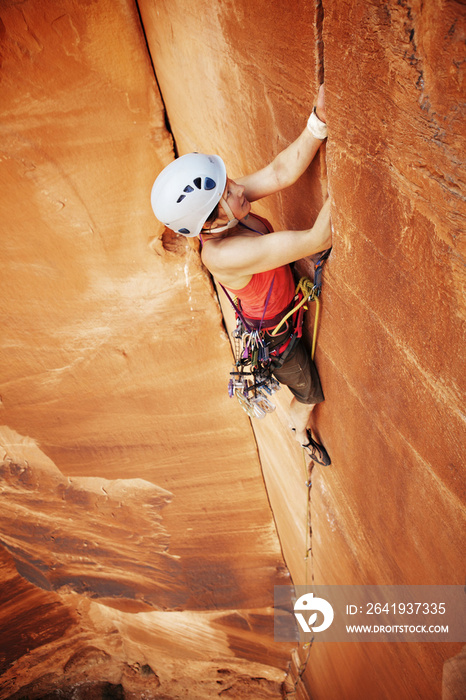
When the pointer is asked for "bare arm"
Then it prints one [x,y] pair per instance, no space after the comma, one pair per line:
[233,260]
[288,165]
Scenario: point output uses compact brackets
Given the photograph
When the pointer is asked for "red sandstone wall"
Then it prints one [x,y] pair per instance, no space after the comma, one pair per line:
[238,79]
[128,484]
[102,363]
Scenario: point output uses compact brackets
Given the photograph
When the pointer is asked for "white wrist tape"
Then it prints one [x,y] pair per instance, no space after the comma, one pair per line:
[317,127]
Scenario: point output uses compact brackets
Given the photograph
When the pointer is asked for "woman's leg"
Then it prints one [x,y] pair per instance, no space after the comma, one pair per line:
[300,414]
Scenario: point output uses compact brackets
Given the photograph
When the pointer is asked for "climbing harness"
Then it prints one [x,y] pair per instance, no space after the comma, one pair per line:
[252,380]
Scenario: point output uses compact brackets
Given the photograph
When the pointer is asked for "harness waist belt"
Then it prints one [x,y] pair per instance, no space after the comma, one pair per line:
[269,323]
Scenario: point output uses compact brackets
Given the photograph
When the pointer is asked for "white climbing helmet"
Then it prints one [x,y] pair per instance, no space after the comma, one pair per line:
[187,191]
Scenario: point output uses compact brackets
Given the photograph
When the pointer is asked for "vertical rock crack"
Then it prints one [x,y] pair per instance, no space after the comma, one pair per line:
[167,120]
[320,41]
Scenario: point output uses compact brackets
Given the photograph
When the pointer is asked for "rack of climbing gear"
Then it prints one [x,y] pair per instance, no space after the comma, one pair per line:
[251,379]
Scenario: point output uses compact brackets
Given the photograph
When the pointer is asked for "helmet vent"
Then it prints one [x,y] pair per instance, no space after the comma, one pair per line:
[188,188]
[180,198]
[198,182]
[183,230]
[209,184]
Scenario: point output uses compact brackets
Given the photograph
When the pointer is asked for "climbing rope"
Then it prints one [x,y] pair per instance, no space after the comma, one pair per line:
[301,668]
[306,287]
[310,292]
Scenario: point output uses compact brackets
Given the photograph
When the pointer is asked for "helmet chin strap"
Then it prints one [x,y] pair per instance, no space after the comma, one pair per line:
[231,219]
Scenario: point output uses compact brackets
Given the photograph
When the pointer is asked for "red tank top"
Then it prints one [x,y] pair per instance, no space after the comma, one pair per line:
[253,296]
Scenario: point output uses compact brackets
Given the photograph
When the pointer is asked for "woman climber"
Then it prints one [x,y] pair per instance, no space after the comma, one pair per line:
[194,196]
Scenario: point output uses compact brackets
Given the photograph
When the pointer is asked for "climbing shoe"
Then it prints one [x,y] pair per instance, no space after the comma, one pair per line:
[316,452]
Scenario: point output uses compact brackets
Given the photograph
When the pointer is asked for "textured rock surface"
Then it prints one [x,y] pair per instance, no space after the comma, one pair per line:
[103,364]
[93,535]
[391,508]
[147,494]
[65,645]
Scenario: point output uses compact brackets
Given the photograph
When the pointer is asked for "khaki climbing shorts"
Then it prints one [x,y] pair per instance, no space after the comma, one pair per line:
[298,372]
